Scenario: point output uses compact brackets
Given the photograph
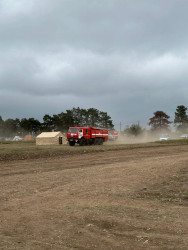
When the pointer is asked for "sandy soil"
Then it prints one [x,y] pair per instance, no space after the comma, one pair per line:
[126,199]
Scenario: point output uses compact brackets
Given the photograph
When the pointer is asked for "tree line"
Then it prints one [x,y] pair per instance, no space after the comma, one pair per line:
[56,122]
[89,117]
[160,122]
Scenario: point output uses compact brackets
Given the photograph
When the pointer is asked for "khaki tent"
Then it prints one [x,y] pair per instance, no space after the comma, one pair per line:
[51,138]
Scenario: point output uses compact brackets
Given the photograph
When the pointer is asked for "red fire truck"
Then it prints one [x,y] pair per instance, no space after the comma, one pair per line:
[86,136]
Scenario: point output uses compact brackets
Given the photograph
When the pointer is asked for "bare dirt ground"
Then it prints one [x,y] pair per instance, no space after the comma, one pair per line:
[122,199]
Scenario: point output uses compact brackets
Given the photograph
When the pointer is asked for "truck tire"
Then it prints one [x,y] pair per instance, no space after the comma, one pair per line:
[96,141]
[82,142]
[100,141]
[71,143]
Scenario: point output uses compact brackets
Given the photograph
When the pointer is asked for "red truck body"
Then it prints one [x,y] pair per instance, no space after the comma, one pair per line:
[112,135]
[86,136]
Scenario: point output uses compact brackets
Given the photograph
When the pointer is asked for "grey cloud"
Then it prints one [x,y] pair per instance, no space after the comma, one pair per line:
[104,26]
[124,57]
[81,73]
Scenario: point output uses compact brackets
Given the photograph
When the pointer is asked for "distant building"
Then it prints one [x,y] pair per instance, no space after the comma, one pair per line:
[51,138]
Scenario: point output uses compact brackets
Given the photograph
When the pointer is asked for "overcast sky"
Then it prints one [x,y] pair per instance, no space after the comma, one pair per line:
[125,57]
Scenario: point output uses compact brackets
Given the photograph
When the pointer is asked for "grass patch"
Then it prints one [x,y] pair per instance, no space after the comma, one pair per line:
[175,141]
[19,150]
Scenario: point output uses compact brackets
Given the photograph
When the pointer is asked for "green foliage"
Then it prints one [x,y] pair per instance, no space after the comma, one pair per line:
[57,122]
[77,117]
[134,129]
[159,120]
[1,127]
[48,124]
[9,127]
[181,119]
[30,125]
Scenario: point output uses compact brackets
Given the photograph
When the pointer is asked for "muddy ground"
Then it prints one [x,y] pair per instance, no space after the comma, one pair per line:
[120,199]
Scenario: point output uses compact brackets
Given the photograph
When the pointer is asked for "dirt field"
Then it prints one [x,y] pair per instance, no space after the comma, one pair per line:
[119,199]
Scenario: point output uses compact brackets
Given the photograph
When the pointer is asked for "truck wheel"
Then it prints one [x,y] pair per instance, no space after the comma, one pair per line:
[96,141]
[100,141]
[82,142]
[71,143]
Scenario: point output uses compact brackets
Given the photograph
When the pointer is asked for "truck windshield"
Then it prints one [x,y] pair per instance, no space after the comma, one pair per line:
[73,130]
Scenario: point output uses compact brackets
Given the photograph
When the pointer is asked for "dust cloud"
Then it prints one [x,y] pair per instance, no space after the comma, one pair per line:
[147,136]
